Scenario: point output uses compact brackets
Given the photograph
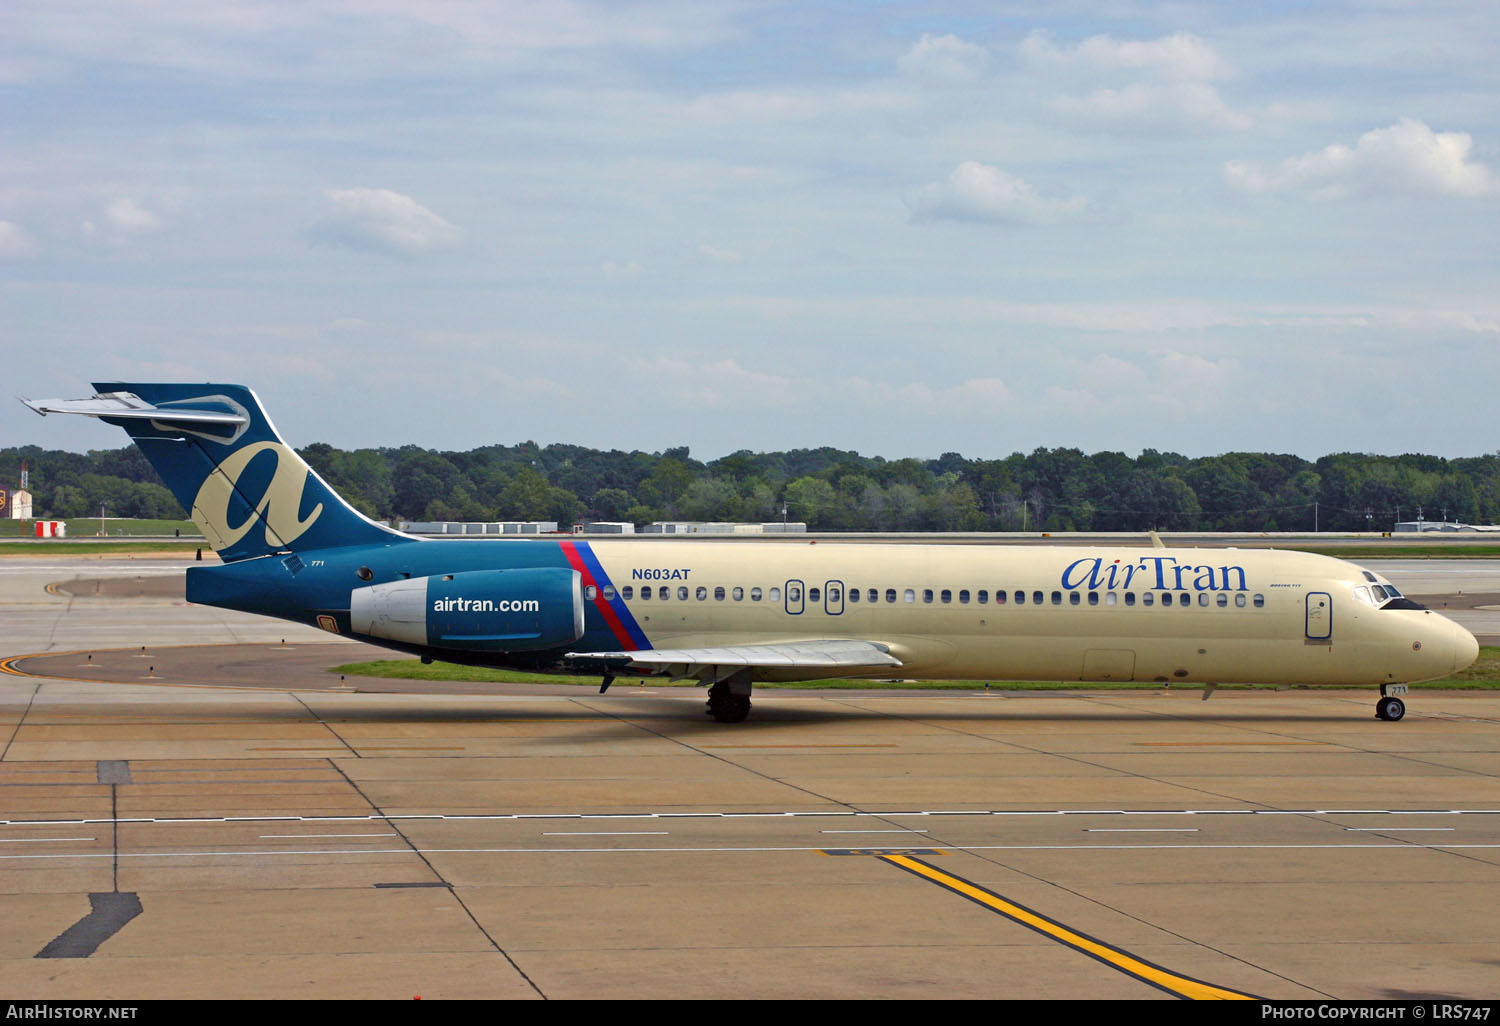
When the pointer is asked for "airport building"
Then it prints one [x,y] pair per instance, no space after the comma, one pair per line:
[1443,526]
[16,505]
[493,529]
[701,527]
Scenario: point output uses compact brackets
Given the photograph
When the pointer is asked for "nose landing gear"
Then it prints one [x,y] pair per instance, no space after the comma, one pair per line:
[1390,707]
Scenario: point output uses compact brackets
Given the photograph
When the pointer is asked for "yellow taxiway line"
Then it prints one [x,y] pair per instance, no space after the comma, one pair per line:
[1147,972]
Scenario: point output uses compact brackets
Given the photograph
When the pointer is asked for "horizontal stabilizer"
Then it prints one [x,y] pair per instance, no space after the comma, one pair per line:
[132,407]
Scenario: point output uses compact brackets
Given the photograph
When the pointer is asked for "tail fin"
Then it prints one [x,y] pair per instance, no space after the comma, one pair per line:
[247,490]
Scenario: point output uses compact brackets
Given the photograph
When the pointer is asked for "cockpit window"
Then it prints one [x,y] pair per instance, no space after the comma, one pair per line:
[1386,596]
[1368,576]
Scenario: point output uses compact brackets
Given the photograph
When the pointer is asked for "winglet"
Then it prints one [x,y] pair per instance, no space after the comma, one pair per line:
[1156,542]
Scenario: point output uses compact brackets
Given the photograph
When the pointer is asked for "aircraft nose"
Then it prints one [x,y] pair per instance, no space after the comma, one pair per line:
[1465,649]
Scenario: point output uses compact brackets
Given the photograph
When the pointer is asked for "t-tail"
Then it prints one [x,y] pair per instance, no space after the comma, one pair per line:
[247,490]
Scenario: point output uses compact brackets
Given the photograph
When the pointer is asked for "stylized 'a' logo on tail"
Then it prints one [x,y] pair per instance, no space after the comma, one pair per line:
[278,506]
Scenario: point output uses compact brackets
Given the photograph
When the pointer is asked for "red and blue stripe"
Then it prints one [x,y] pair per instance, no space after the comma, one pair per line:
[614,611]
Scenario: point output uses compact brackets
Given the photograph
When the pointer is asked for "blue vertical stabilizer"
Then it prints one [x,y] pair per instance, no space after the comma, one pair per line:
[247,490]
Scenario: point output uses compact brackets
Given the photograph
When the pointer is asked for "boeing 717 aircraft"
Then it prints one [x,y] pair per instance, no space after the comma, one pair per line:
[729,614]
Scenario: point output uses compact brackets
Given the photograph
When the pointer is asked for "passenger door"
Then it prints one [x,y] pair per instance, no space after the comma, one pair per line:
[1319,616]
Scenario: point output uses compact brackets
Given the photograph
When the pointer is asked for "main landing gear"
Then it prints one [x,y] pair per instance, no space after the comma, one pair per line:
[1390,707]
[729,700]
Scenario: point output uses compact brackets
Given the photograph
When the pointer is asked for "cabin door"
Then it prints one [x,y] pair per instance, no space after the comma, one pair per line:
[833,598]
[1319,616]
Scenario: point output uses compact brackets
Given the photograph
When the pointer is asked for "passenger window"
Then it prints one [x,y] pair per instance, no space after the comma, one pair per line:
[999,597]
[1036,597]
[1057,598]
[627,593]
[663,593]
[814,595]
[1239,599]
[755,594]
[738,594]
[1130,598]
[927,595]
[1203,598]
[1222,601]
[1148,598]
[1184,600]
[774,594]
[1020,598]
[853,594]
[719,594]
[682,593]
[590,592]
[946,596]
[983,596]
[1166,598]
[890,594]
[609,593]
[963,596]
[1093,598]
[874,595]
[1260,600]
[793,593]
[1110,599]
[909,594]
[1074,598]
[833,595]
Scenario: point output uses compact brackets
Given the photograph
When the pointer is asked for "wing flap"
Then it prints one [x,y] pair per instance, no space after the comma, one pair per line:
[833,657]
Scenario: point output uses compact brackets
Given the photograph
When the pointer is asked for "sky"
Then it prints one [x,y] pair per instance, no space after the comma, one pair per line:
[899,228]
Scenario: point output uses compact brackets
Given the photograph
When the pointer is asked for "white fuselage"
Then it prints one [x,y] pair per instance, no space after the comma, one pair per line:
[997,612]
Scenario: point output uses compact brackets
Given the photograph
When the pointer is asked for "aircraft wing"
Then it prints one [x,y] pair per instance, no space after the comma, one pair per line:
[787,660]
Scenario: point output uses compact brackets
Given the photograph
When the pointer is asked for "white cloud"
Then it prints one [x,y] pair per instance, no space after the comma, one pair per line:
[383,221]
[128,217]
[14,242]
[1407,157]
[1178,57]
[943,60]
[978,192]
[621,268]
[737,107]
[1139,106]
[722,256]
[1149,85]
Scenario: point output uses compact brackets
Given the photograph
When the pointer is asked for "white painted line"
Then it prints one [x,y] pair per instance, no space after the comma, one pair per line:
[823,814]
[873,831]
[281,837]
[1403,847]
[605,833]
[1397,830]
[1140,830]
[39,840]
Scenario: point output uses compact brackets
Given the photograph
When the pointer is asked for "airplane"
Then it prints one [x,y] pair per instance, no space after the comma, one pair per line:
[733,613]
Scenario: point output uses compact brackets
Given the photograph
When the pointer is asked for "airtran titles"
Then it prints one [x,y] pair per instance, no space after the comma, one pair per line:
[1166,573]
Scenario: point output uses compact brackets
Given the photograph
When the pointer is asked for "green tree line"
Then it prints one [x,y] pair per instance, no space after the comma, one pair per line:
[831,489]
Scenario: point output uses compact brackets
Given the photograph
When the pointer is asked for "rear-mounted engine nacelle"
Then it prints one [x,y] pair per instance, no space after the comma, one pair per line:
[482,610]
